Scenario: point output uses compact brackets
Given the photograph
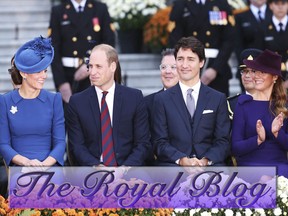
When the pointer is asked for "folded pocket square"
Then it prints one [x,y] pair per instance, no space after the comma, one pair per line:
[207,111]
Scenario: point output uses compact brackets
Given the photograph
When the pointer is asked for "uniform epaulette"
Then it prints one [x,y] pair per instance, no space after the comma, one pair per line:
[232,97]
[241,10]
[231,113]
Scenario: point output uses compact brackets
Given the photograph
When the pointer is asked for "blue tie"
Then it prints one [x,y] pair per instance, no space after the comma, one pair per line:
[107,136]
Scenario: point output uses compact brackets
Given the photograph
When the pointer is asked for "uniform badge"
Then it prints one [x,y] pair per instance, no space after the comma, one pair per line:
[96,25]
[218,17]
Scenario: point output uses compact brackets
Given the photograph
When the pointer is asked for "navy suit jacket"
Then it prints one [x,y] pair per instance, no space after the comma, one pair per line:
[130,127]
[176,135]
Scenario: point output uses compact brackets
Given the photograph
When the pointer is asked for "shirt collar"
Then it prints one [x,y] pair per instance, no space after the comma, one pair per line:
[111,91]
[196,88]
[255,10]
[76,4]
[283,21]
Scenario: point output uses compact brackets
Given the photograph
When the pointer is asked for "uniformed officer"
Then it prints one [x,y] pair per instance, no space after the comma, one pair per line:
[249,28]
[212,23]
[276,33]
[76,26]
[246,78]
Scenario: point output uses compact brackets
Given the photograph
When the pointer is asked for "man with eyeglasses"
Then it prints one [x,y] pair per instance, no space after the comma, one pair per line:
[169,78]
[247,75]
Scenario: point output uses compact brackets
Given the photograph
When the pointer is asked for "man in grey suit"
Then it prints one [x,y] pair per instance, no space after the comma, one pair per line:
[196,137]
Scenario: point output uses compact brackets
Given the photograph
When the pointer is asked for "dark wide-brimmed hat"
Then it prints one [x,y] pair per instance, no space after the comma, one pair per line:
[35,55]
[267,61]
[248,54]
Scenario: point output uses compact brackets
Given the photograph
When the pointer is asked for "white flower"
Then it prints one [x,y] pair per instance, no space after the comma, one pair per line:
[248,212]
[13,109]
[133,10]
[229,212]
[277,211]
[206,213]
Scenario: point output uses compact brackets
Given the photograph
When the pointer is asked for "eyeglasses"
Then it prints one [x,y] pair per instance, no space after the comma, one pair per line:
[165,67]
[247,71]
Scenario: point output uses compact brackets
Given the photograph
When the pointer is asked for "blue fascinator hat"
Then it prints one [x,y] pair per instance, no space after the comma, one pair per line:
[35,55]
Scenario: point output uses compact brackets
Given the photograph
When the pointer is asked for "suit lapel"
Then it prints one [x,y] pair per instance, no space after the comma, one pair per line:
[203,98]
[95,110]
[177,98]
[117,108]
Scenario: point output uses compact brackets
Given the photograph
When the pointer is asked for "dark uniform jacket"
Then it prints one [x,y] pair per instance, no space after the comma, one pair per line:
[249,32]
[75,34]
[214,31]
[278,42]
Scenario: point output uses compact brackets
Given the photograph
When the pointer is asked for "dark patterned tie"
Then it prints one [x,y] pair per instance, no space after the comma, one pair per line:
[107,138]
[190,102]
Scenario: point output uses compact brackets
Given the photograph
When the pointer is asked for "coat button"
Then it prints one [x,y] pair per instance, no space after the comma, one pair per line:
[75,52]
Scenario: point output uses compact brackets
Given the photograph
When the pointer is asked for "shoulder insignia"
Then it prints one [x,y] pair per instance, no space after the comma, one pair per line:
[231,20]
[171,26]
[232,97]
[49,32]
[230,111]
[112,27]
[240,10]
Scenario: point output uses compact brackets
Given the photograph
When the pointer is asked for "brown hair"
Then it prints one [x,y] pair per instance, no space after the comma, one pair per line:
[112,56]
[15,73]
[278,101]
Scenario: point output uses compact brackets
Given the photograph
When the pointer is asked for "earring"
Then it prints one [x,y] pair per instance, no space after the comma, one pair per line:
[274,81]
[24,78]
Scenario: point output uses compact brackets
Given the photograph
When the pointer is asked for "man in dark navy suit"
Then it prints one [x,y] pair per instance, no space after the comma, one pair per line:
[76,26]
[169,78]
[190,120]
[127,110]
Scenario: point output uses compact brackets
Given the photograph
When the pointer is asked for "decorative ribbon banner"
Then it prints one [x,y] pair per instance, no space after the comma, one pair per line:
[142,187]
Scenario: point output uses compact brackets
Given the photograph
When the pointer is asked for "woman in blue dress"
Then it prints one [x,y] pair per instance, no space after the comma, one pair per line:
[32,131]
[260,126]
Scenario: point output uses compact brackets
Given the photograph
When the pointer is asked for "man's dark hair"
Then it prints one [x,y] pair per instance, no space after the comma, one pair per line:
[191,43]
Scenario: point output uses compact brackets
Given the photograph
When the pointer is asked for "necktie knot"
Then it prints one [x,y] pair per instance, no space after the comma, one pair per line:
[104,93]
[79,9]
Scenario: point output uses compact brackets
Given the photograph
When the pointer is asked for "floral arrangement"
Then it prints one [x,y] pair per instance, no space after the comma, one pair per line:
[238,5]
[282,208]
[155,31]
[132,14]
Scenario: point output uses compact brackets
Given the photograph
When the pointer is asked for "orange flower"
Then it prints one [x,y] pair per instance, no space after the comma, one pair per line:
[155,30]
